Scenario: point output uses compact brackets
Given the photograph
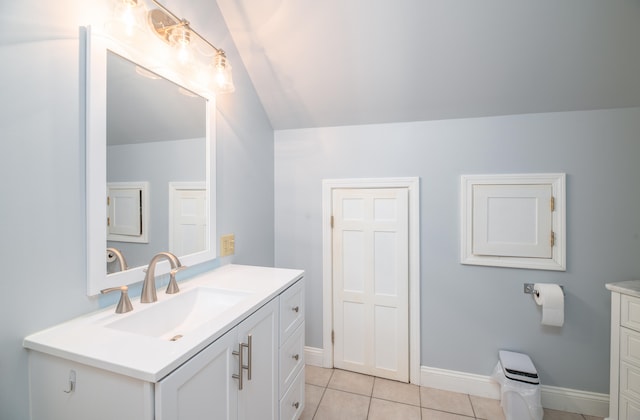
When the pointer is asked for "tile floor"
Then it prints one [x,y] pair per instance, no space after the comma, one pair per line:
[333,394]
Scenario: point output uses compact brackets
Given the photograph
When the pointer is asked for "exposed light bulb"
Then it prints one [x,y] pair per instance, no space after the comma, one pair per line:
[222,72]
[183,54]
[127,16]
[181,38]
[220,77]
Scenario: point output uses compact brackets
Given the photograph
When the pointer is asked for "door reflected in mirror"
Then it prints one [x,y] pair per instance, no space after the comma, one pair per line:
[156,136]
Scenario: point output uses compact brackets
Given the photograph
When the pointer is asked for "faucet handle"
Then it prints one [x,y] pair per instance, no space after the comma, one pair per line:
[124,304]
[172,287]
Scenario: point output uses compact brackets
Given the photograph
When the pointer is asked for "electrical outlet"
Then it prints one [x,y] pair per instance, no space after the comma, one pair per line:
[227,245]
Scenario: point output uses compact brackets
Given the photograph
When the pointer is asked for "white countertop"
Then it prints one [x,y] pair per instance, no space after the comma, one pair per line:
[631,287]
[87,340]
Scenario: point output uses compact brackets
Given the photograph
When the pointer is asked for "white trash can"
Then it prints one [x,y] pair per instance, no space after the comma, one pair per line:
[519,386]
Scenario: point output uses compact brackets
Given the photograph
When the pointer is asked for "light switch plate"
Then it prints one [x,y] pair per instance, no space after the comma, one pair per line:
[227,245]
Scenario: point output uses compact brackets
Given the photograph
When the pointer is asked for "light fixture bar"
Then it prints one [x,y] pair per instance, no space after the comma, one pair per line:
[164,20]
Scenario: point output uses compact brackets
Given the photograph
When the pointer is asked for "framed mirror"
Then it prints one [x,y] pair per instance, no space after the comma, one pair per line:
[150,152]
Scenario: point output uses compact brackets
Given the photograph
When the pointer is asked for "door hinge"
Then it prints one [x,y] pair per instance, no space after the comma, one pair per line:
[553,203]
[331,222]
[553,239]
[333,337]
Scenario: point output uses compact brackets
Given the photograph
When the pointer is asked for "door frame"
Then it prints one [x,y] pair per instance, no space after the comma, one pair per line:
[412,184]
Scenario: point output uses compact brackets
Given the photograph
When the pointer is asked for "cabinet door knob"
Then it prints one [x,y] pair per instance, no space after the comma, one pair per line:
[295,309]
[296,356]
[296,405]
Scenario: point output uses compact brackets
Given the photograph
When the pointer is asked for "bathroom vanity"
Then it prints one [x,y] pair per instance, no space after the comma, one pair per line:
[229,345]
[624,394]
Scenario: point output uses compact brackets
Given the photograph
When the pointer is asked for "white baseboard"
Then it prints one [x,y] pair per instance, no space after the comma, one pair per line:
[555,398]
[313,356]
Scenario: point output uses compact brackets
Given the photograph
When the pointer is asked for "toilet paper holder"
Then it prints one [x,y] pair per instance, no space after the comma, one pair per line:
[529,288]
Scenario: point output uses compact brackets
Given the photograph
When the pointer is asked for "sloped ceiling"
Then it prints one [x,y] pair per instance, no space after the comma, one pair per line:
[343,62]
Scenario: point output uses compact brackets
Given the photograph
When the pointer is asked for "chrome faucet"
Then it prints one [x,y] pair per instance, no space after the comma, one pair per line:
[115,252]
[149,286]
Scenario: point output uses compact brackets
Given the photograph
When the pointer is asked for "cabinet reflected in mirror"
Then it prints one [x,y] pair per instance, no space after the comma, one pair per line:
[155,135]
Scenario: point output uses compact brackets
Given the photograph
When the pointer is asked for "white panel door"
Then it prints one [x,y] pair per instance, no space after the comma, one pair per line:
[187,220]
[370,281]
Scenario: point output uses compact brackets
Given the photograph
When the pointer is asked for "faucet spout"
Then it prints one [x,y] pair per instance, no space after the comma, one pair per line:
[149,285]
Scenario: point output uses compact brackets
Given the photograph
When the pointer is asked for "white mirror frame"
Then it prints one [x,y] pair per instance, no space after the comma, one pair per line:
[94,47]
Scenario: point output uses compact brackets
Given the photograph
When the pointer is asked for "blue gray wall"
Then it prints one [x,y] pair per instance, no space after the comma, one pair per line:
[42,227]
[158,163]
[468,313]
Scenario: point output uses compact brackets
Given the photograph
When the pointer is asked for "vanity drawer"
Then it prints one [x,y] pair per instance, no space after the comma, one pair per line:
[630,312]
[630,346]
[630,380]
[292,404]
[291,309]
[291,358]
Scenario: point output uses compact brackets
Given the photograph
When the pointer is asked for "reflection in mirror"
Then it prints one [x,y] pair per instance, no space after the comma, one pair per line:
[156,135]
[161,144]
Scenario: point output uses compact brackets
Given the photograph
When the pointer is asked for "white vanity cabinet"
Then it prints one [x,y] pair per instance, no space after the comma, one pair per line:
[253,369]
[205,387]
[96,394]
[624,394]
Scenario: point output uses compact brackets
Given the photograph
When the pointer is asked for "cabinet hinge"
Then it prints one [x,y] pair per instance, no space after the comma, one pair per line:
[553,203]
[553,239]
[108,201]
[108,221]
[333,337]
[331,222]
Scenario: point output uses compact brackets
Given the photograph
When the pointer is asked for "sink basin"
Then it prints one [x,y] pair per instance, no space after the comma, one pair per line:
[177,316]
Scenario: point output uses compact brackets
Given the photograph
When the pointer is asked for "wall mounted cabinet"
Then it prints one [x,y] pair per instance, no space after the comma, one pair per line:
[514,220]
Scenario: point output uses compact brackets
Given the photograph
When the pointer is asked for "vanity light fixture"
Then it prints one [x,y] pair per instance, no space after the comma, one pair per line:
[179,34]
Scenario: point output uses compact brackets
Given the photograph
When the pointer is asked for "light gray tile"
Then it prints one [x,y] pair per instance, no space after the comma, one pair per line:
[487,408]
[339,405]
[428,414]
[351,382]
[396,391]
[389,410]
[312,396]
[448,401]
[315,375]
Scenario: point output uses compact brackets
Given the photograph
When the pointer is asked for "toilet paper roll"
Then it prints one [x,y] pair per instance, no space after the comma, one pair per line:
[551,298]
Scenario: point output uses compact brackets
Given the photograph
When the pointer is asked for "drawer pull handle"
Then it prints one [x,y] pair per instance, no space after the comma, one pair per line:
[296,356]
[296,405]
[239,376]
[250,352]
[295,309]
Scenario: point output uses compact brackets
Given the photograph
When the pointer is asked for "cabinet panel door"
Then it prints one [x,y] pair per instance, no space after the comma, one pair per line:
[258,400]
[203,387]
